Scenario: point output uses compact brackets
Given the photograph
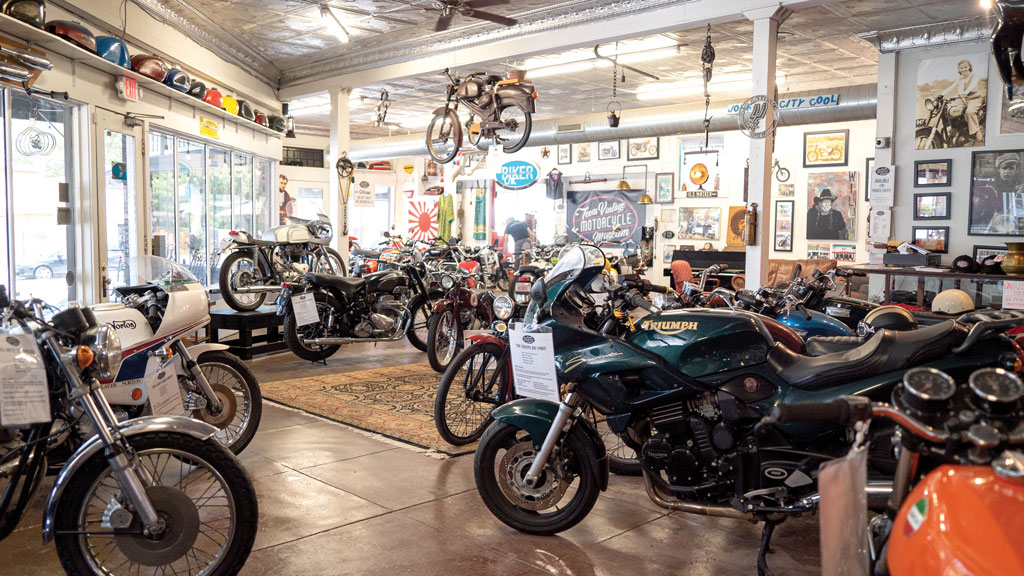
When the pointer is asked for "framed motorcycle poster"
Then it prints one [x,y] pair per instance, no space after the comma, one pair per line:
[951,101]
[784,225]
[826,148]
[642,148]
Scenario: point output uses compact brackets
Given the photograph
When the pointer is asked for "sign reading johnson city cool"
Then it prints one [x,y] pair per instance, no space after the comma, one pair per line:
[797,103]
[517,175]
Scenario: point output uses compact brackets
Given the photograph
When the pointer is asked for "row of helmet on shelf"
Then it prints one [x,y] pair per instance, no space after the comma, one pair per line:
[114,50]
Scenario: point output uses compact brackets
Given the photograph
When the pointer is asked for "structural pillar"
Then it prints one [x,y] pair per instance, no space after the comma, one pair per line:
[766,29]
[341,140]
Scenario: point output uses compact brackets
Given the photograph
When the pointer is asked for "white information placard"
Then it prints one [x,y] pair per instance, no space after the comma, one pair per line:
[363,195]
[881,224]
[1013,295]
[164,391]
[882,186]
[24,395]
[304,306]
[533,365]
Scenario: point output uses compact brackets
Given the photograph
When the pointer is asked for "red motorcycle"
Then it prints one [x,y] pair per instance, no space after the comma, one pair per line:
[462,308]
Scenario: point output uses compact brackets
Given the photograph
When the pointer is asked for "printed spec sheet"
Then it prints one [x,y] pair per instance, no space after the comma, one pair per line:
[24,396]
[533,365]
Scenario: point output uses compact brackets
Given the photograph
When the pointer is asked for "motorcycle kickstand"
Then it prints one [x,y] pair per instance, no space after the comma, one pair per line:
[766,538]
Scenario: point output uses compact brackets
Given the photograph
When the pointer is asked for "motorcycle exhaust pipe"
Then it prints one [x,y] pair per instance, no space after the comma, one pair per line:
[670,503]
[406,321]
[256,289]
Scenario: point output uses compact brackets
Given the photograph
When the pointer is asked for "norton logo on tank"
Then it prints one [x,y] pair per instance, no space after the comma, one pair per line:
[611,216]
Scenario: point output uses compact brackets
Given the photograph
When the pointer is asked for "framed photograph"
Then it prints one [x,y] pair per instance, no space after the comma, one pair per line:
[787,190]
[962,81]
[997,194]
[982,252]
[845,253]
[931,173]
[565,153]
[869,165]
[668,250]
[784,225]
[832,206]
[642,148]
[931,206]
[932,238]
[668,215]
[827,148]
[583,152]
[700,224]
[818,251]
[665,185]
[608,150]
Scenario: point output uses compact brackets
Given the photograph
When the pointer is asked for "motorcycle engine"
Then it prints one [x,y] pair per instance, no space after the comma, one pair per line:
[380,324]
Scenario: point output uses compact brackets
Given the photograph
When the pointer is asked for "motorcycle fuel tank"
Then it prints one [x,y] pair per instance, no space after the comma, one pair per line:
[385,281]
[287,234]
[819,324]
[700,342]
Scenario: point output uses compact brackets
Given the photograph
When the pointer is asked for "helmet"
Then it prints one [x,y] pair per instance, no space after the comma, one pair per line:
[197,89]
[31,11]
[886,318]
[73,32]
[965,264]
[114,50]
[952,301]
[261,119]
[277,123]
[245,111]
[151,66]
[229,104]
[213,97]
[178,79]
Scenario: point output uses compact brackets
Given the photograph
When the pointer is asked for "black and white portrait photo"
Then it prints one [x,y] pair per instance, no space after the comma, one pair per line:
[951,98]
[997,193]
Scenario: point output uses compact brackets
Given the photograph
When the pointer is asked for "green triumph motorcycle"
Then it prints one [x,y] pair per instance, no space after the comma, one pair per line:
[685,389]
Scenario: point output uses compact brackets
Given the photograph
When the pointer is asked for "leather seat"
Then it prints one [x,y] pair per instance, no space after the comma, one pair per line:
[821,345]
[347,286]
[886,351]
[371,254]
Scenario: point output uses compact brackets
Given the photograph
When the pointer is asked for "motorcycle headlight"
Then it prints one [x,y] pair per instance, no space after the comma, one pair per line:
[106,349]
[929,104]
[447,281]
[503,307]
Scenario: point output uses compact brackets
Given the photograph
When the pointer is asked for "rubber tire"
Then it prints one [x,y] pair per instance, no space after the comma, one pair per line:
[225,287]
[527,128]
[525,520]
[433,325]
[42,268]
[335,254]
[236,364]
[291,335]
[440,404]
[213,453]
[417,302]
[456,136]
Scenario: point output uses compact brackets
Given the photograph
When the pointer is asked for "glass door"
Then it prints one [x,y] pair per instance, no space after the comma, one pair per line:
[122,229]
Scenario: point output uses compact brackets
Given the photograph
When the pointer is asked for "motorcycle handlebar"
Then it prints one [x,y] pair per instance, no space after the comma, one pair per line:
[803,310]
[636,300]
[845,410]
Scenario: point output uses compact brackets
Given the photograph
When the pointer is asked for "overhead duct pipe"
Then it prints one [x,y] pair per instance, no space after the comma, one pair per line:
[854,103]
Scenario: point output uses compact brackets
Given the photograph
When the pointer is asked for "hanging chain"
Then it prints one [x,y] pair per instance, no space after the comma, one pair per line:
[382,108]
[615,81]
[707,61]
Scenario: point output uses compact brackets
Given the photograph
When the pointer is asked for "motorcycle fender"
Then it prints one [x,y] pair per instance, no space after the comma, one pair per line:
[129,428]
[486,339]
[195,352]
[441,305]
[439,110]
[512,93]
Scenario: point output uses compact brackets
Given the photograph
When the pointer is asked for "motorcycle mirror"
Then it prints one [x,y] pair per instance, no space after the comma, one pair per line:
[538,293]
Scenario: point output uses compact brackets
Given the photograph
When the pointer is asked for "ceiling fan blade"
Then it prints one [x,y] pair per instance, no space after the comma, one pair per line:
[443,23]
[474,4]
[496,18]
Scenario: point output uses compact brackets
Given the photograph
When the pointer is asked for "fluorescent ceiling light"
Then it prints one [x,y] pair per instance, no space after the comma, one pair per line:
[695,87]
[333,24]
[557,69]
[570,62]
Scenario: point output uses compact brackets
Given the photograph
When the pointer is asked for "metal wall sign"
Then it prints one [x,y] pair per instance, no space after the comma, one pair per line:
[796,103]
[753,116]
[605,216]
[517,175]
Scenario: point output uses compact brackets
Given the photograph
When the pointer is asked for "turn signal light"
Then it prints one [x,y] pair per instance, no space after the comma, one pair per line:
[84,356]
[136,394]
[286,285]
[233,233]
[534,94]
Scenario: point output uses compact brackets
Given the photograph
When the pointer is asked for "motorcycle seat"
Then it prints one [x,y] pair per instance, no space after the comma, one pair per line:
[492,79]
[821,345]
[371,254]
[886,351]
[347,286]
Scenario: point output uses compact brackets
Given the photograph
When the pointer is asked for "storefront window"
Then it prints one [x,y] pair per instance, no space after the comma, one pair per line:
[263,188]
[241,192]
[367,224]
[192,208]
[5,222]
[161,184]
[218,169]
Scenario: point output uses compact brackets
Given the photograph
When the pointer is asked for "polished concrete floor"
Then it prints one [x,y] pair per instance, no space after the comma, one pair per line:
[336,501]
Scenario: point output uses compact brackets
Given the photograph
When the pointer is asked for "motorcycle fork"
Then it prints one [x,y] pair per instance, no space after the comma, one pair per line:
[566,409]
[195,373]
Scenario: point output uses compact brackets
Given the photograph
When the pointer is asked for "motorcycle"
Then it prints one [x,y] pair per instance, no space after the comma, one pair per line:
[255,267]
[500,110]
[960,445]
[152,494]
[461,308]
[685,390]
[166,304]
[526,274]
[946,125]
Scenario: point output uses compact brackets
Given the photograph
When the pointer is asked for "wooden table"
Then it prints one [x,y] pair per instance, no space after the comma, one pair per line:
[247,345]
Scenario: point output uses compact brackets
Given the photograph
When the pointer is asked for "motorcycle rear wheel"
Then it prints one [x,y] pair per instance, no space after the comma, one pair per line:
[185,470]
[514,140]
[421,308]
[474,383]
[325,303]
[240,302]
[444,136]
[442,345]
[502,459]
[226,371]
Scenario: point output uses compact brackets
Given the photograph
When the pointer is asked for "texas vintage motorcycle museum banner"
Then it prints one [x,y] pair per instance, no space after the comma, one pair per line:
[605,215]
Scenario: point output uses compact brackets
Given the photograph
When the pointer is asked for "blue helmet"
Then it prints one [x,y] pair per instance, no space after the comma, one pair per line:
[114,50]
[178,79]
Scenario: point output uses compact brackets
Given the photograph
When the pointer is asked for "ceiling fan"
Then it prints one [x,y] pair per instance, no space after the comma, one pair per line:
[470,8]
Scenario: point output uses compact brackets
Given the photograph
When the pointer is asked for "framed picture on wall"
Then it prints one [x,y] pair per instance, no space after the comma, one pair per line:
[583,152]
[668,250]
[997,202]
[932,173]
[932,238]
[982,252]
[565,153]
[826,148]
[665,185]
[608,150]
[931,206]
[642,148]
[869,165]
[784,225]
[668,215]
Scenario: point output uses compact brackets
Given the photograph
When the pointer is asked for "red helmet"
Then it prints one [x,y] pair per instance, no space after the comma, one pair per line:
[213,97]
[151,66]
[261,119]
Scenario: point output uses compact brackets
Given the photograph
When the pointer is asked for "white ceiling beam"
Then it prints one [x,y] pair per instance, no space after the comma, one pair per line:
[669,19]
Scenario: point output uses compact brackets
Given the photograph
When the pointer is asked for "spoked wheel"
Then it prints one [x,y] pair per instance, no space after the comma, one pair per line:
[442,340]
[444,136]
[515,132]
[474,383]
[239,393]
[420,309]
[330,263]
[562,496]
[622,459]
[239,271]
[199,490]
[473,134]
[294,335]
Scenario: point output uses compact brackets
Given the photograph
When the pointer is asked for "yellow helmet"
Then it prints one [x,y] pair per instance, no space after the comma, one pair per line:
[229,104]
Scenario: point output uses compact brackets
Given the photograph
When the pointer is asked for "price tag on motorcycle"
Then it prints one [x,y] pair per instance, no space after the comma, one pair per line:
[533,364]
[164,391]
[304,306]
[24,396]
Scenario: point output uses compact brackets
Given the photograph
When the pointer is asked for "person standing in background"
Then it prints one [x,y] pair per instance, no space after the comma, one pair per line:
[521,235]
[286,199]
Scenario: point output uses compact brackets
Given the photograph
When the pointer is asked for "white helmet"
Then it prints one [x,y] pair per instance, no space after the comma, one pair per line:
[952,301]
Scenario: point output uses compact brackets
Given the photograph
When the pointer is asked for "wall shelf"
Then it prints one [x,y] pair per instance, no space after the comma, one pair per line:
[43,40]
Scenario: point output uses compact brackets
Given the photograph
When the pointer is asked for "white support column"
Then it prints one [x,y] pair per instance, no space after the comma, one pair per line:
[766,30]
[341,140]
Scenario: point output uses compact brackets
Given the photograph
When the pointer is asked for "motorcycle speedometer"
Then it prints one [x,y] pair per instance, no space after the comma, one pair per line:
[927,389]
[997,388]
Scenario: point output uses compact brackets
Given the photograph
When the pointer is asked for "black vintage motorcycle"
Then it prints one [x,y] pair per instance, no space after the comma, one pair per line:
[685,390]
[500,110]
[946,125]
[151,494]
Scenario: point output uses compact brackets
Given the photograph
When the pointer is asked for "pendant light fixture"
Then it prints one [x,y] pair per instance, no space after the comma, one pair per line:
[624,186]
[333,23]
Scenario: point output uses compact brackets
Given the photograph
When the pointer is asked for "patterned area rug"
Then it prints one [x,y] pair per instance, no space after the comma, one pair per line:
[397,402]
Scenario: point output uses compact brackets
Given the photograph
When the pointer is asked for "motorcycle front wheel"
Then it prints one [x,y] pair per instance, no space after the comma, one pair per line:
[238,391]
[442,340]
[474,383]
[238,271]
[421,308]
[561,497]
[516,132]
[293,335]
[199,489]
[331,263]
[444,136]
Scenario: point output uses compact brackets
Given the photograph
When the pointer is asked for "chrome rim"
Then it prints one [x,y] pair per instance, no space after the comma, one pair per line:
[470,398]
[445,343]
[240,275]
[224,377]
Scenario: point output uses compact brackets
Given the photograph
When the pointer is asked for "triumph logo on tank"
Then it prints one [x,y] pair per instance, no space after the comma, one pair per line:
[605,216]
[123,324]
[670,327]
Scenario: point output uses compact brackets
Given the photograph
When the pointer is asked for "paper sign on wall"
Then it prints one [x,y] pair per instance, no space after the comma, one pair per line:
[209,128]
[881,224]
[533,365]
[1013,295]
[363,195]
[882,185]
